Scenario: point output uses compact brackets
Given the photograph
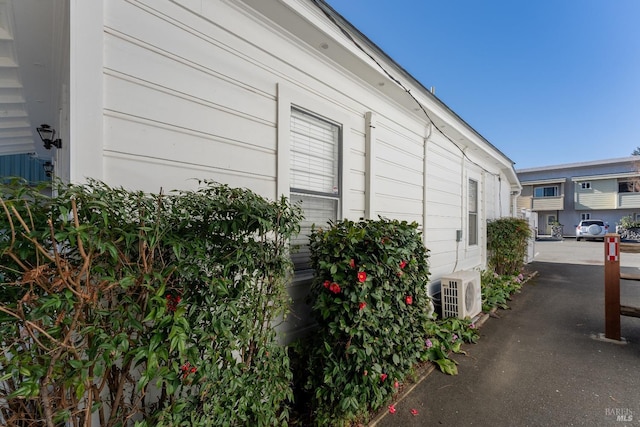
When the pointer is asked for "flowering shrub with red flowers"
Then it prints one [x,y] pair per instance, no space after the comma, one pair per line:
[123,308]
[372,331]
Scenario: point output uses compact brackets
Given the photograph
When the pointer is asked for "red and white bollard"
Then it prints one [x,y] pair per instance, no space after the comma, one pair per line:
[612,286]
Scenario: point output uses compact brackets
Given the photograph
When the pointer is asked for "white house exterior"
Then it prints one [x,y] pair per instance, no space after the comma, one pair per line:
[279,96]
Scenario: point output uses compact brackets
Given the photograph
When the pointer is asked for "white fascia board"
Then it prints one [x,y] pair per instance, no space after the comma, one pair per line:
[606,176]
[545,181]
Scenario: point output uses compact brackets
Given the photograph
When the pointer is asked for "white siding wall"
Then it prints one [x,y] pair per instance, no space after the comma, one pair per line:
[444,205]
[187,95]
[399,164]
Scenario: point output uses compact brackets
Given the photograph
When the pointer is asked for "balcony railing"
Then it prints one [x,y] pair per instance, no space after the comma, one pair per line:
[548,203]
[628,200]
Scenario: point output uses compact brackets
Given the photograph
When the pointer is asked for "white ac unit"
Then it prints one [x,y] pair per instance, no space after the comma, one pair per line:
[461,294]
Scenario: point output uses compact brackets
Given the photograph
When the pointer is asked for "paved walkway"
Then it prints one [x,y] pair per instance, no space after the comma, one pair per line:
[539,363]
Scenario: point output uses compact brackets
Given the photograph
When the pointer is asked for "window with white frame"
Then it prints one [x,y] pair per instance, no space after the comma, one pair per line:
[585,185]
[315,173]
[548,191]
[473,212]
[584,216]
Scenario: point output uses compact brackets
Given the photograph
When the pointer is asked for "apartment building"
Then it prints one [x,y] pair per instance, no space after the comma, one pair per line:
[567,193]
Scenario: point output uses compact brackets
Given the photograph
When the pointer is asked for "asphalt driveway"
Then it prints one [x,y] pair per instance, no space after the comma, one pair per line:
[569,251]
[540,363]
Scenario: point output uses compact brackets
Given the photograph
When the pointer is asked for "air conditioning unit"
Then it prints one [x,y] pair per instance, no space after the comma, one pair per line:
[461,294]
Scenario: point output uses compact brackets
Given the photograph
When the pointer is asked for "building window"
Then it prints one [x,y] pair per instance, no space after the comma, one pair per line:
[629,186]
[315,175]
[545,191]
[473,212]
[585,185]
[585,216]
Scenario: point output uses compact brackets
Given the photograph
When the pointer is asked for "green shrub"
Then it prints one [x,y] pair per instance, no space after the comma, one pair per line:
[146,309]
[627,222]
[507,240]
[445,336]
[497,290]
[370,301]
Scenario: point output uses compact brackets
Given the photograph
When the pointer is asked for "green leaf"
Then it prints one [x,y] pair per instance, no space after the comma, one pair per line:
[76,364]
[447,366]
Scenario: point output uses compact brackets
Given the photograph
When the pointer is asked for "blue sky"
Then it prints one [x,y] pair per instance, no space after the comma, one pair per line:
[547,82]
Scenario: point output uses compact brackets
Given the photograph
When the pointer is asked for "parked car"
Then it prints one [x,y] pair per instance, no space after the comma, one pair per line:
[591,229]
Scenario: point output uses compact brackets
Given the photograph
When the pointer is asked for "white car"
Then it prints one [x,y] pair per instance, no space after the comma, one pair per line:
[591,229]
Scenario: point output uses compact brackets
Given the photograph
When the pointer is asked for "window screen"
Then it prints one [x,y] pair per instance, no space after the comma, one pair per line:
[473,212]
[314,175]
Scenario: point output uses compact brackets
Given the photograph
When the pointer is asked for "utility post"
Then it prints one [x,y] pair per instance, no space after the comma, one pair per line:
[612,286]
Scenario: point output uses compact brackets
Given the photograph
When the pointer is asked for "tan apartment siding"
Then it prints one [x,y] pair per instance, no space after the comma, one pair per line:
[601,195]
[524,202]
[548,203]
[628,200]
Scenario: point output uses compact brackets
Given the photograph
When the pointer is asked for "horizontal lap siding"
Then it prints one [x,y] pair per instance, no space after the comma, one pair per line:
[211,97]
[179,107]
[398,173]
[444,205]
[601,195]
[197,99]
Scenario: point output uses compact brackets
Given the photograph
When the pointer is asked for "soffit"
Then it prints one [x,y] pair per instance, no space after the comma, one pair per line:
[607,176]
[544,181]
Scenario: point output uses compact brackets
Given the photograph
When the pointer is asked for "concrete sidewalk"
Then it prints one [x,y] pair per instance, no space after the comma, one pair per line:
[539,363]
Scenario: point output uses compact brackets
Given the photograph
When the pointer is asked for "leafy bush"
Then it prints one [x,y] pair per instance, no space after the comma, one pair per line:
[507,244]
[497,290]
[627,222]
[370,301]
[445,336]
[146,309]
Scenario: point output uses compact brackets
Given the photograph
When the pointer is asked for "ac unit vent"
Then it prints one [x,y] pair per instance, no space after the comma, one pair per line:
[461,294]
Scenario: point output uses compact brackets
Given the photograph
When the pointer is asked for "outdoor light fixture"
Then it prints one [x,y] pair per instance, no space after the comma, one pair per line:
[47,135]
[48,168]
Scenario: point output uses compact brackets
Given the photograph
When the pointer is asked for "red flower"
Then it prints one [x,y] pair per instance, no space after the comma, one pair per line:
[408,299]
[335,288]
[352,263]
[414,412]
[396,384]
[383,377]
[187,369]
[326,284]
[172,302]
[362,276]
[362,305]
[392,409]
[403,264]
